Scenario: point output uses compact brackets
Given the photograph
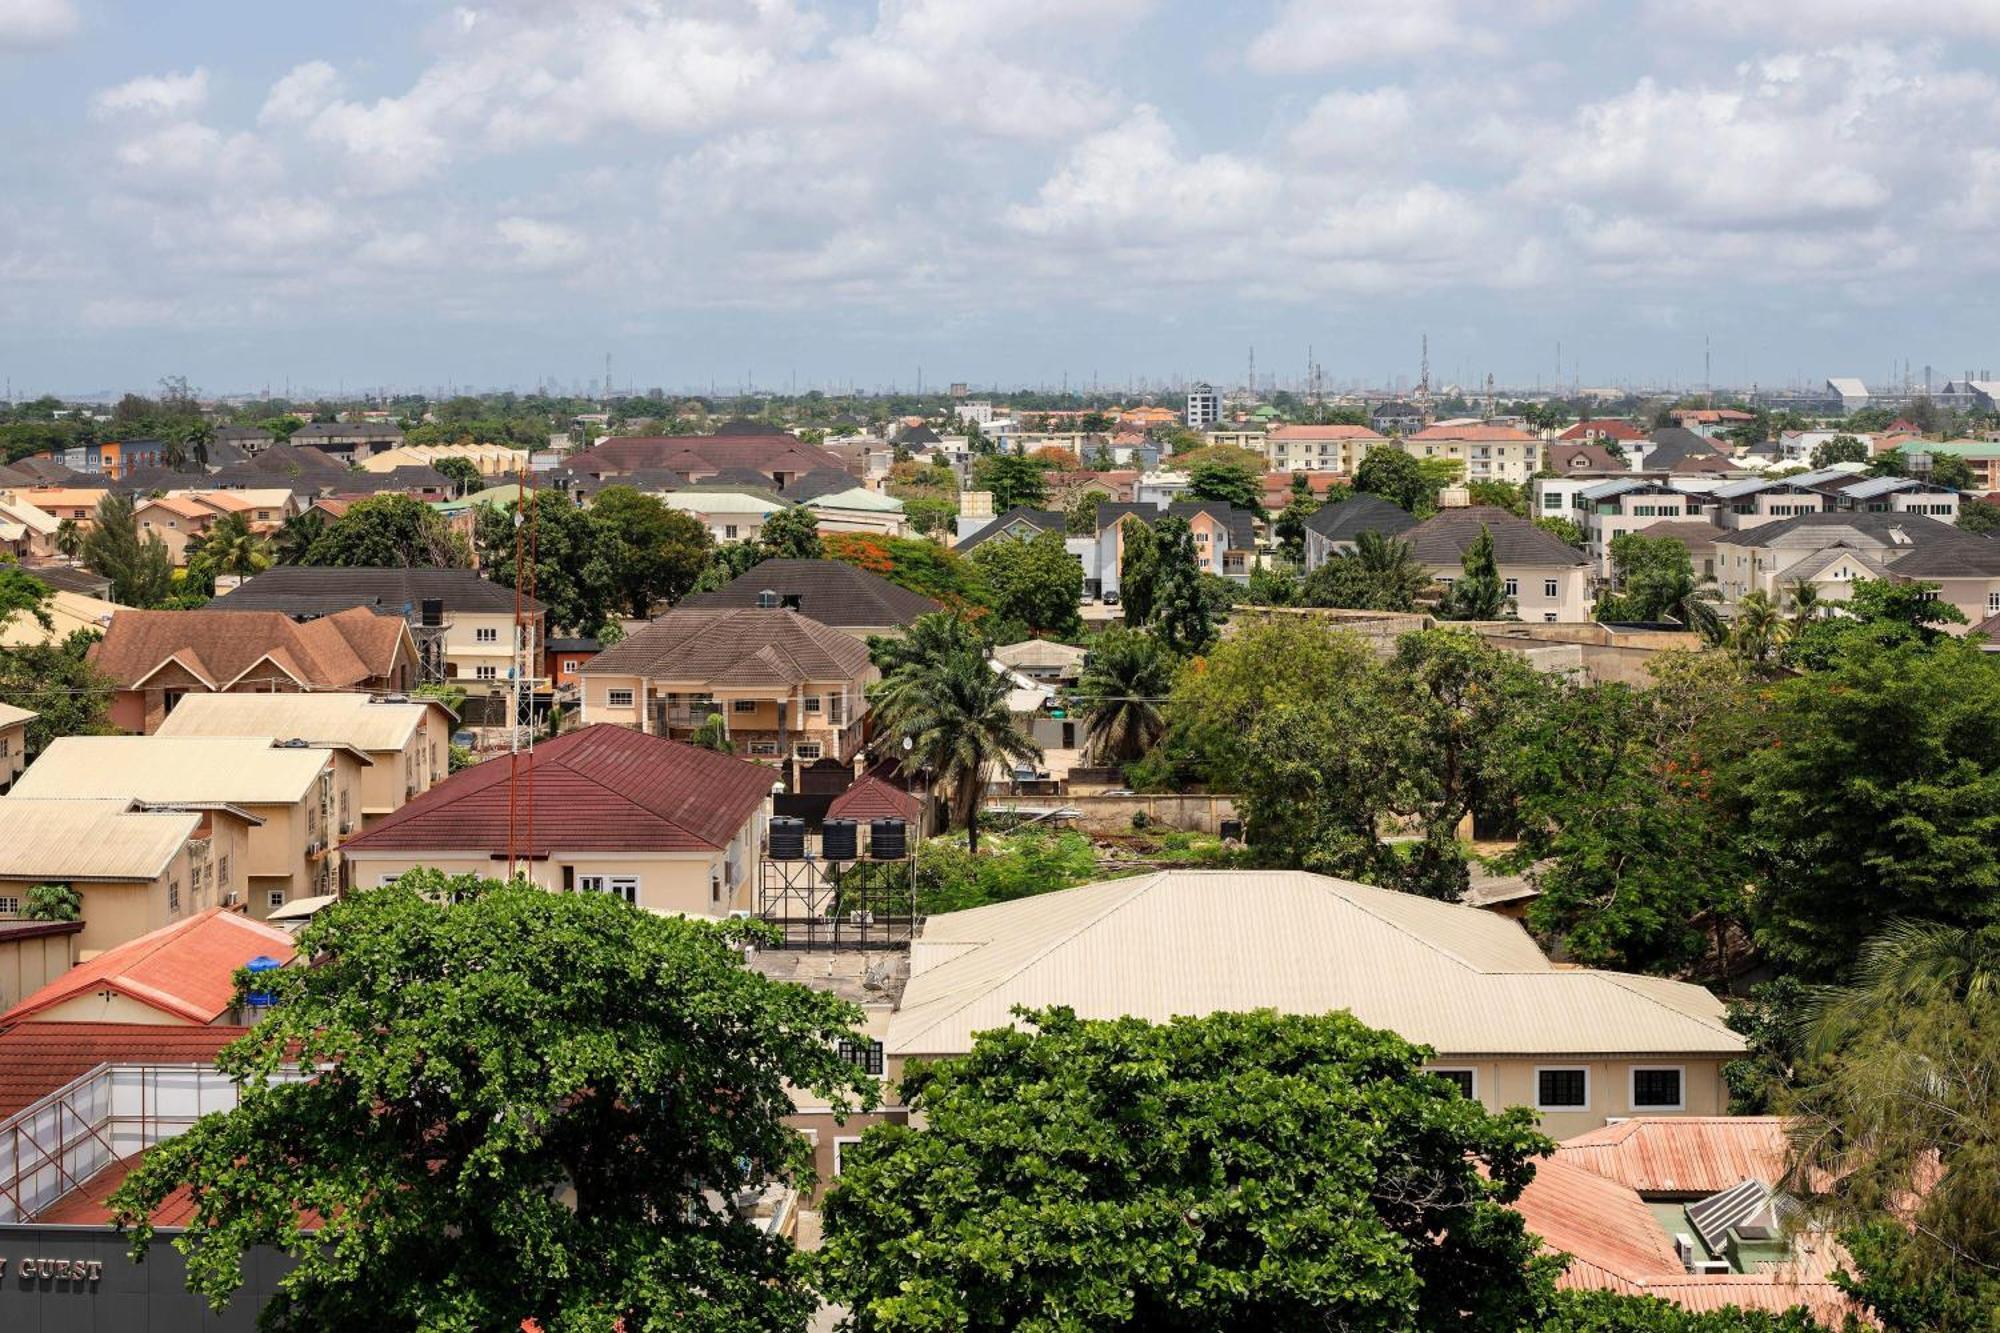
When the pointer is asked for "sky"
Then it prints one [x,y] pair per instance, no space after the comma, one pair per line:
[407,195]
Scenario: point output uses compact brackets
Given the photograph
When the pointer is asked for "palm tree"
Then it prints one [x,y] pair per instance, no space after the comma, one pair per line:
[1759,628]
[232,548]
[69,539]
[196,436]
[298,534]
[1908,963]
[954,713]
[1392,566]
[1125,675]
[1802,596]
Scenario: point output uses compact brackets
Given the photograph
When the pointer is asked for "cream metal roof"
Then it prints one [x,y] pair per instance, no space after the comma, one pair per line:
[11,716]
[1461,980]
[69,611]
[194,770]
[333,718]
[58,840]
[721,502]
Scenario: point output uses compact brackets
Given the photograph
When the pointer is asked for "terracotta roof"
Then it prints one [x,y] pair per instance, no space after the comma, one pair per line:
[219,646]
[1324,433]
[1476,433]
[187,970]
[829,591]
[1582,458]
[874,798]
[1603,428]
[1692,1155]
[1444,538]
[38,1057]
[734,646]
[604,788]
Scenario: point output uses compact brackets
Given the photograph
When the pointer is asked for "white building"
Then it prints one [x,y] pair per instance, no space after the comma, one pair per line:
[1204,407]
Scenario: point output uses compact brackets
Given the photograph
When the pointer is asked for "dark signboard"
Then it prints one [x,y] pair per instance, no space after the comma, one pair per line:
[75,1279]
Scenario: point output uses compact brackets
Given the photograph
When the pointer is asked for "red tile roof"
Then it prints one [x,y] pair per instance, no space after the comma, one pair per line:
[874,798]
[38,1057]
[1480,433]
[334,652]
[186,970]
[1323,433]
[1603,428]
[1693,1155]
[604,788]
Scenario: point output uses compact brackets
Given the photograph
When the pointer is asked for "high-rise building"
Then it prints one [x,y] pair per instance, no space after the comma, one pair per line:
[1204,407]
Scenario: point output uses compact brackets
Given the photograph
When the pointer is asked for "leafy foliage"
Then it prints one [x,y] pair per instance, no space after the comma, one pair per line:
[657,553]
[1180,614]
[1656,581]
[561,1084]
[1478,593]
[391,531]
[1395,476]
[1138,569]
[56,682]
[1013,479]
[574,553]
[52,902]
[1122,1175]
[140,570]
[791,534]
[944,576]
[1125,679]
[1382,574]
[1037,583]
[1227,483]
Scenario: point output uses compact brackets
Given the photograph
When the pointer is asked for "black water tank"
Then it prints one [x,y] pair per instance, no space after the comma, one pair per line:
[1232,830]
[788,840]
[432,611]
[837,840]
[887,840]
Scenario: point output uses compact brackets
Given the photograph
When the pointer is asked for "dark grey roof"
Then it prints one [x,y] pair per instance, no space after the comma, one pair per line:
[346,430]
[1242,524]
[243,434]
[1445,538]
[1892,530]
[1673,445]
[141,480]
[1045,520]
[574,645]
[813,485]
[48,472]
[72,578]
[829,591]
[409,477]
[919,435]
[1971,556]
[1347,520]
[738,476]
[320,589]
[745,426]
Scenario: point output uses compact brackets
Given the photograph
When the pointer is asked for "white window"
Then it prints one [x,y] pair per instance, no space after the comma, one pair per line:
[486,634]
[729,532]
[1512,587]
[486,673]
[812,703]
[620,886]
[10,906]
[275,898]
[1548,587]
[1465,1080]
[743,705]
[1992,604]
[1658,1088]
[618,698]
[807,750]
[569,665]
[763,749]
[1562,1088]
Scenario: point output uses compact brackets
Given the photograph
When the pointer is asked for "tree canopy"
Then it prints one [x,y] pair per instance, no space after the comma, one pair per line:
[393,531]
[140,570]
[1227,483]
[1036,584]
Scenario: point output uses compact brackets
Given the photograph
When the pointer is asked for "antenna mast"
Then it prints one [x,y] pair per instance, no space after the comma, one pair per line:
[521,685]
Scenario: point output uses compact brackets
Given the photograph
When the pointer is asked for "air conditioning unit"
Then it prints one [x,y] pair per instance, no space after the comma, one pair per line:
[1684,1250]
[1711,1268]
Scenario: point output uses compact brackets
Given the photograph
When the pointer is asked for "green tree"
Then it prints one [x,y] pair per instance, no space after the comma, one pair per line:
[229,547]
[1584,1311]
[52,902]
[21,593]
[1888,463]
[1080,516]
[1842,448]
[1181,614]
[296,536]
[1013,479]
[657,552]
[1138,569]
[575,559]
[392,531]
[1758,630]
[713,734]
[1978,516]
[1656,581]
[952,708]
[1477,593]
[1227,483]
[1500,495]
[1877,612]
[1951,470]
[1395,476]
[1564,529]
[1121,694]
[1290,528]
[1037,583]
[1382,574]
[930,516]
[1121,1175]
[56,682]
[141,571]
[532,1074]
[69,538]
[791,534]
[464,473]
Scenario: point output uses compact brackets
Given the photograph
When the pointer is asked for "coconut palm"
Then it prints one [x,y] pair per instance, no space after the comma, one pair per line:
[232,548]
[954,713]
[1908,963]
[1392,566]
[297,536]
[1759,630]
[69,538]
[1803,601]
[1125,675]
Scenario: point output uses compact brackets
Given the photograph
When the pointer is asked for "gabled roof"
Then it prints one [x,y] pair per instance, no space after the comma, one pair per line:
[857,498]
[1446,537]
[1480,433]
[176,770]
[1565,458]
[1694,1155]
[340,718]
[67,841]
[1677,449]
[317,589]
[1861,528]
[186,970]
[1316,433]
[829,591]
[1611,428]
[873,797]
[219,647]
[39,1056]
[1972,557]
[603,788]
[1240,523]
[1044,520]
[1695,534]
[1347,520]
[705,453]
[1195,942]
[734,646]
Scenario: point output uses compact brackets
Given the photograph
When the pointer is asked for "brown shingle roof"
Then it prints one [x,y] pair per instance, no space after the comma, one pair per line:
[734,647]
[705,453]
[337,651]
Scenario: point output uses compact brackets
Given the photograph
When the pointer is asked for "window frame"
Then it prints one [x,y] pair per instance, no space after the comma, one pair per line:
[864,1055]
[818,751]
[612,699]
[485,634]
[1471,1090]
[1632,1088]
[273,898]
[742,705]
[1551,588]
[1541,1105]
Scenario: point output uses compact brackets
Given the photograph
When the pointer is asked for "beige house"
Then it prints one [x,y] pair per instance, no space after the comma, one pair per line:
[136,867]
[26,533]
[408,742]
[789,690]
[1545,578]
[1580,1047]
[492,460]
[1486,452]
[666,826]
[1832,550]
[1308,448]
[32,954]
[177,520]
[13,743]
[307,797]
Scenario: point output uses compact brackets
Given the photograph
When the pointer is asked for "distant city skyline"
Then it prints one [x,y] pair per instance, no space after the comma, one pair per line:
[403,194]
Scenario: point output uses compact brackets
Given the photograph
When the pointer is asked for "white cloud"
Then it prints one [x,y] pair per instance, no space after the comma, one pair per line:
[1355,126]
[541,245]
[1132,182]
[1313,34]
[302,94]
[1831,18]
[160,95]
[27,25]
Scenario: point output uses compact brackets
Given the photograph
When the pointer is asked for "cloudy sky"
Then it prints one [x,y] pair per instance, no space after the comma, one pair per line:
[402,193]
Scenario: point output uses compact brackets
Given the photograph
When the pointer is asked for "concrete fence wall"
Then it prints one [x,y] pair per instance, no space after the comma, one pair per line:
[1113,814]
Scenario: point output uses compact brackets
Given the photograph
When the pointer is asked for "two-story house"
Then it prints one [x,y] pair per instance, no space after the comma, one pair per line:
[1608,510]
[1225,538]
[1831,550]
[1310,448]
[1546,578]
[1488,452]
[789,691]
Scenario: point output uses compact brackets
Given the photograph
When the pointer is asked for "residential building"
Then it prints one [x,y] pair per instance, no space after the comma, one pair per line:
[1044,661]
[1981,456]
[68,612]
[1859,493]
[1686,1209]
[1160,489]
[181,975]
[1020,523]
[1610,509]
[252,440]
[59,502]
[729,516]
[831,592]
[492,460]
[1398,418]
[1204,407]
[1336,528]
[780,459]
[1589,459]
[136,866]
[1251,437]
[1699,536]
[113,459]
[26,533]
[1225,538]
[1319,448]
[13,743]
[406,738]
[1758,500]
[856,509]
[348,441]
[304,798]
[1546,578]
[1711,422]
[1579,1046]
[789,690]
[1600,429]
[1679,450]
[1279,487]
[176,520]
[563,659]
[463,624]
[666,826]
[32,954]
[157,657]
[1488,452]
[1831,550]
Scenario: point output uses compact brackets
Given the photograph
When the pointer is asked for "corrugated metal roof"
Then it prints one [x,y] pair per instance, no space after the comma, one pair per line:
[58,840]
[1196,942]
[341,718]
[38,1057]
[170,769]
[187,969]
[10,715]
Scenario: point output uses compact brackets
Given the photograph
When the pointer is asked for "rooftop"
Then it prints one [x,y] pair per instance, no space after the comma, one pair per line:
[37,1057]
[355,719]
[316,589]
[186,970]
[831,592]
[1348,519]
[734,647]
[69,841]
[232,645]
[191,770]
[1445,537]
